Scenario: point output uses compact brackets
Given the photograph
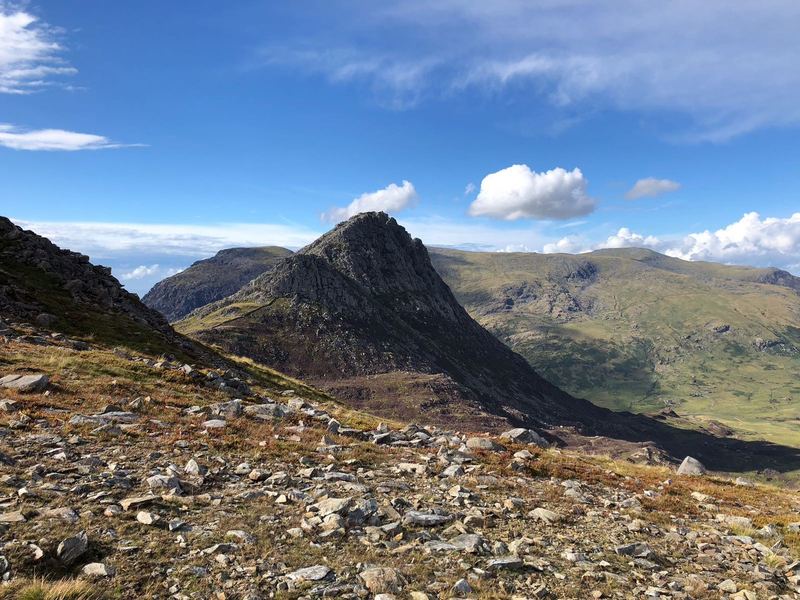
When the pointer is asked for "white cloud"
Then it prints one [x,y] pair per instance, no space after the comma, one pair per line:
[395,83]
[752,240]
[393,198]
[571,244]
[722,67]
[29,53]
[439,231]
[110,240]
[141,272]
[625,238]
[53,139]
[470,189]
[517,192]
[651,187]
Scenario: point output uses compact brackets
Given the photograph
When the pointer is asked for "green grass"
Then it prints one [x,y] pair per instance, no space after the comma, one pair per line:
[635,331]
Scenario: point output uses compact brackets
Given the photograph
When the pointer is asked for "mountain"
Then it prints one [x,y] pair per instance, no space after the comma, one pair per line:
[362,313]
[211,279]
[636,330]
[62,291]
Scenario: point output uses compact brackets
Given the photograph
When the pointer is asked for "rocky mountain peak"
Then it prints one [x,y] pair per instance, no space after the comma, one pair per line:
[373,249]
[366,260]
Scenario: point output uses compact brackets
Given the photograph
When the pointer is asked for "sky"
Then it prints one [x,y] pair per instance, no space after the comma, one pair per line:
[151,134]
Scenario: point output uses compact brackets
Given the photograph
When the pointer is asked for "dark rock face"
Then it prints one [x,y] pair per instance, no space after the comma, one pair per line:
[61,290]
[211,279]
[362,303]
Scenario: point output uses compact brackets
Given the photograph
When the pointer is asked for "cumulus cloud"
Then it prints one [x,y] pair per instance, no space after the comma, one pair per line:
[393,198]
[53,140]
[517,192]
[752,240]
[30,54]
[651,187]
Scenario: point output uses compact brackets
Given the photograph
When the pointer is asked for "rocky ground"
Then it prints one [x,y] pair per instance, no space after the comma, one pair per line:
[145,477]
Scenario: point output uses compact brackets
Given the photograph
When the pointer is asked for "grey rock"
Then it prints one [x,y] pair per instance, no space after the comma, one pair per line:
[25,383]
[525,436]
[72,548]
[691,466]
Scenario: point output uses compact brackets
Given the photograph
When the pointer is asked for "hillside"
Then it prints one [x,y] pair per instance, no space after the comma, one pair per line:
[61,291]
[130,474]
[636,330]
[211,279]
[177,491]
[361,313]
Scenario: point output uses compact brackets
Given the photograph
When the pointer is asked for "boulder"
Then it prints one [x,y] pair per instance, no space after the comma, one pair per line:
[691,466]
[25,383]
[525,436]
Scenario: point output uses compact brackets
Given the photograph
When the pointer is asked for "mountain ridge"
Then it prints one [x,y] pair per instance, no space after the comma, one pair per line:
[211,279]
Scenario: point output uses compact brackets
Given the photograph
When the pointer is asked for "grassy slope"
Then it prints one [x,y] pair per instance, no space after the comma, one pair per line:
[636,332]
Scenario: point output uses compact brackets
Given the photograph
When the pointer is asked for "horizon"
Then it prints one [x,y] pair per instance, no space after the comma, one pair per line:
[154,145]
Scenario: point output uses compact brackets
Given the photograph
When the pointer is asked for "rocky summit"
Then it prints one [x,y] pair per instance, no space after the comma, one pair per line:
[362,313]
[211,279]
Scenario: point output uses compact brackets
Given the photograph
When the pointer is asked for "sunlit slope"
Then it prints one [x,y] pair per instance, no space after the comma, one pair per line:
[636,330]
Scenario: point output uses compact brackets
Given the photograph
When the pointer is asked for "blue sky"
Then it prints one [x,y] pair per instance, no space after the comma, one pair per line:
[151,134]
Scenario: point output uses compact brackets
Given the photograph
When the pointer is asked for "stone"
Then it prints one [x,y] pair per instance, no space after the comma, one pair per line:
[524,436]
[168,483]
[137,501]
[382,580]
[636,549]
[25,383]
[72,548]
[481,443]
[504,563]
[9,406]
[332,505]
[147,518]
[214,424]
[12,517]
[728,586]
[98,570]
[461,588]
[420,519]
[691,466]
[315,573]
[547,516]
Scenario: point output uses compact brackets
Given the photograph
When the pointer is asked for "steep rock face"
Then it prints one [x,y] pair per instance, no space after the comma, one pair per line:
[362,311]
[62,291]
[211,279]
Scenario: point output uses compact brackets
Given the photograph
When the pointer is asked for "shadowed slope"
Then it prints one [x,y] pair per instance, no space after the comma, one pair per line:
[211,279]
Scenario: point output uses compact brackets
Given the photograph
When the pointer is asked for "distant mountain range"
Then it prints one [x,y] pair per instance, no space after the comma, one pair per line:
[629,329]
[362,313]
[636,330]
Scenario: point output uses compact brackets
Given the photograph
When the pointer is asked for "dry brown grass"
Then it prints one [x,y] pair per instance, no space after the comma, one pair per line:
[40,589]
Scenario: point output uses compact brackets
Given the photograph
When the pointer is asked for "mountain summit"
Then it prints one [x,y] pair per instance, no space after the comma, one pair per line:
[362,312]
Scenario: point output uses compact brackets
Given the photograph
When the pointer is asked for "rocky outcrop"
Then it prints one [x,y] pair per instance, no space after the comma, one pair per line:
[363,304]
[62,291]
[211,279]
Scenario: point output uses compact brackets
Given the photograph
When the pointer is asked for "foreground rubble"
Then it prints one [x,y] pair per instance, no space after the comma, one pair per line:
[165,480]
